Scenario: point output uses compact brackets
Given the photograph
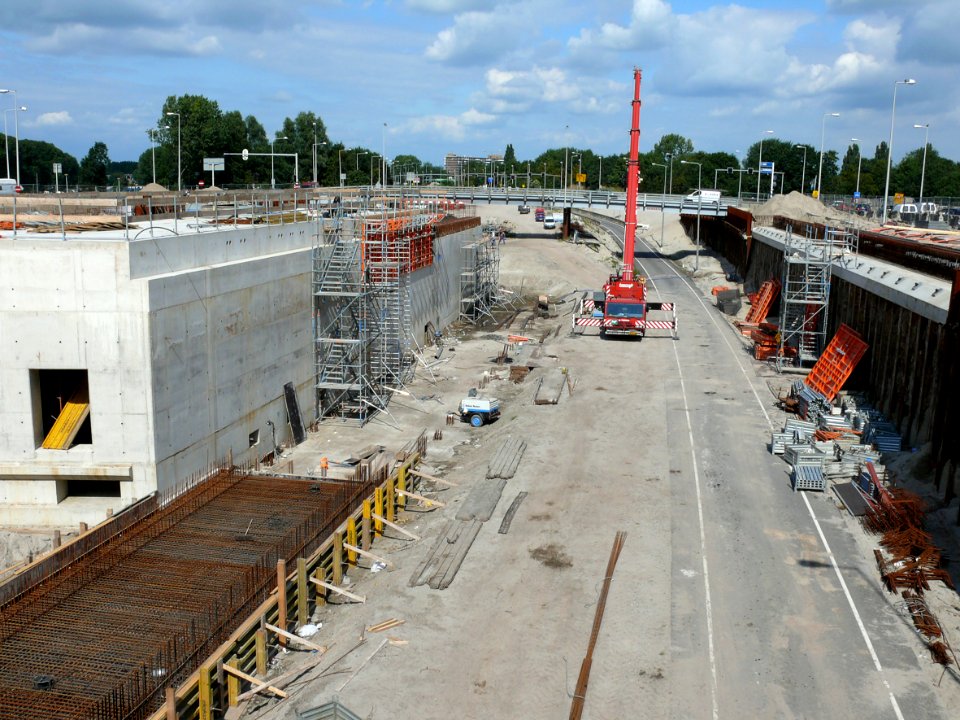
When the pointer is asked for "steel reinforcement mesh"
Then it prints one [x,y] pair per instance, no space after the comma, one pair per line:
[103,637]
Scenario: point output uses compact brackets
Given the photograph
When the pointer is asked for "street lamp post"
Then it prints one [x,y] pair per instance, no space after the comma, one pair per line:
[923,169]
[153,152]
[893,116]
[803,172]
[696,265]
[760,161]
[6,136]
[371,167]
[669,158]
[179,153]
[662,201]
[16,129]
[315,153]
[856,191]
[823,128]
[600,175]
[273,179]
[566,156]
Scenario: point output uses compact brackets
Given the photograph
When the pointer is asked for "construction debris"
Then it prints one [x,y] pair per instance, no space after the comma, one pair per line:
[440,567]
[507,458]
[511,512]
[550,387]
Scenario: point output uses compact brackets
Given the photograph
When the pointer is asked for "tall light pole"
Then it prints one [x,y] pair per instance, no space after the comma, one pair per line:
[662,201]
[923,170]
[893,116]
[153,152]
[6,136]
[600,176]
[823,128]
[315,153]
[669,158]
[273,180]
[383,156]
[760,161]
[856,192]
[696,265]
[803,174]
[566,156]
[179,153]
[371,168]
[16,129]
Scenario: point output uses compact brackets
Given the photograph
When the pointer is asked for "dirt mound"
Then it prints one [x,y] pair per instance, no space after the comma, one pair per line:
[800,207]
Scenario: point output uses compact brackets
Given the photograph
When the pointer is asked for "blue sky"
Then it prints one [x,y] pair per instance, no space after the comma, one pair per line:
[469,76]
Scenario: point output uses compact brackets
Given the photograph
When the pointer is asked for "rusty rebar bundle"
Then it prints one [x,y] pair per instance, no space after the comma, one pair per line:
[102,636]
[580,694]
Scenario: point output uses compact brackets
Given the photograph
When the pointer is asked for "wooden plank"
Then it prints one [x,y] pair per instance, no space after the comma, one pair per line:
[365,537]
[396,527]
[433,478]
[261,686]
[421,498]
[508,516]
[282,597]
[251,679]
[339,590]
[303,610]
[337,559]
[170,705]
[204,694]
[233,682]
[367,554]
[295,638]
[260,650]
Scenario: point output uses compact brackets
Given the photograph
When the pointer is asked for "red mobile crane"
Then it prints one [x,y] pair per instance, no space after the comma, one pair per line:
[622,307]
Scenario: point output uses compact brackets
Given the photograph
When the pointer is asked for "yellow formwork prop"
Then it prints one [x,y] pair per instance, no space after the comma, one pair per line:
[352,539]
[205,693]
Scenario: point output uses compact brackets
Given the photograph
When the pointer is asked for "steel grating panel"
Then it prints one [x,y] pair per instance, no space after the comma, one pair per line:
[113,628]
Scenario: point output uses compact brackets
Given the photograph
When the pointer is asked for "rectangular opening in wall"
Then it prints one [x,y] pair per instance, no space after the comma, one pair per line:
[92,488]
[254,438]
[61,404]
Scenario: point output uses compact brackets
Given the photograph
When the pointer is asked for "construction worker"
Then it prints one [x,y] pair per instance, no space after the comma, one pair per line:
[324,466]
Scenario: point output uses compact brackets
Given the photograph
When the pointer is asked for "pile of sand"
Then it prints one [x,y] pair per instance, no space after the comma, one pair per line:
[801,207]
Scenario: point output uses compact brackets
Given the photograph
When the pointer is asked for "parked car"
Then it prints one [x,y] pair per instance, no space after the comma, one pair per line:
[538,214]
[524,209]
[548,222]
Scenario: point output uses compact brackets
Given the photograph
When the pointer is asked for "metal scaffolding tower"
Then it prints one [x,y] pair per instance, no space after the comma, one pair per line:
[805,292]
[361,308]
[480,278]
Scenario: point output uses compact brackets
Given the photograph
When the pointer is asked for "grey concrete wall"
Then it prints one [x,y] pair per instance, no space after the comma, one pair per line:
[224,340]
[71,305]
[435,290]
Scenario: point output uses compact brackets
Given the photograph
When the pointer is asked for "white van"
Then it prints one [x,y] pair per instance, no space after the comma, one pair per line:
[703,197]
[8,186]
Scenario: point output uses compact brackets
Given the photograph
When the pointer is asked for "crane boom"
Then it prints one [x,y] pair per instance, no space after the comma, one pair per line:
[633,182]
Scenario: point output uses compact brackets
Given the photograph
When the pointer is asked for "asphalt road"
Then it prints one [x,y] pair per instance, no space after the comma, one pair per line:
[775,610]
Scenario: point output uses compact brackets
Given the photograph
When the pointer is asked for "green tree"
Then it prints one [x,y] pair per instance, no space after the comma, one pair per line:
[36,164]
[509,156]
[673,144]
[93,167]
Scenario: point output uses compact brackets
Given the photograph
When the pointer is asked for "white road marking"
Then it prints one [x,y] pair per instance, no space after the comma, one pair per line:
[823,538]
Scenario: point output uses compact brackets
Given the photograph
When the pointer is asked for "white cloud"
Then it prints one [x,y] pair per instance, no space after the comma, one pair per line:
[61,117]
[125,116]
[447,6]
[476,38]
[449,127]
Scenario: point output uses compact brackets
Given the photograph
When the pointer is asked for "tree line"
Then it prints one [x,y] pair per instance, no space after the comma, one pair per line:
[190,128]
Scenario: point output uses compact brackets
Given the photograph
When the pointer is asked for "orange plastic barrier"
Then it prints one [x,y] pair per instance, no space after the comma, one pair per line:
[837,362]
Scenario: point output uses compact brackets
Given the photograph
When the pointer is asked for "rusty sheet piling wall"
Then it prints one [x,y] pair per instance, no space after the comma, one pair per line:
[910,371]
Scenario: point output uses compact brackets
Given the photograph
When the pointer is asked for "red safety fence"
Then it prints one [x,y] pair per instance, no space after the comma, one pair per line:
[837,362]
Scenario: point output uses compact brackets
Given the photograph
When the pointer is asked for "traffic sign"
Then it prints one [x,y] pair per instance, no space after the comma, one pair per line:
[213,163]
[245,154]
[57,168]
[856,194]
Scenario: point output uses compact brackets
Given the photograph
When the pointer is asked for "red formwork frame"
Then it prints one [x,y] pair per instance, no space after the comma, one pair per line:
[837,362]
[765,297]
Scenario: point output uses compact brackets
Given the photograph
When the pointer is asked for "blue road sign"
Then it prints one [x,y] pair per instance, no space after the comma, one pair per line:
[856,194]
